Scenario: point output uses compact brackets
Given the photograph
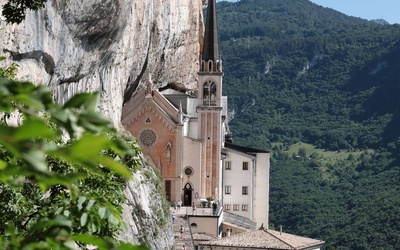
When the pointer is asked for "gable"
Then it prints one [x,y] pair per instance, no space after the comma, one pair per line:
[155,105]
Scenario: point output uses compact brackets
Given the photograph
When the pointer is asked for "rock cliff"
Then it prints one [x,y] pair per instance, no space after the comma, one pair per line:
[108,46]
[111,46]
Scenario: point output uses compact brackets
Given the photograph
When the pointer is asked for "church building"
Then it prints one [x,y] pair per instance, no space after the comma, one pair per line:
[184,133]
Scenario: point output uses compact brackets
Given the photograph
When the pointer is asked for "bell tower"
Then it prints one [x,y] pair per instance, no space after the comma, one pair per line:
[210,107]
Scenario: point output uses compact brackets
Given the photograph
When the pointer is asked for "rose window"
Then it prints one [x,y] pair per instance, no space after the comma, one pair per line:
[147,138]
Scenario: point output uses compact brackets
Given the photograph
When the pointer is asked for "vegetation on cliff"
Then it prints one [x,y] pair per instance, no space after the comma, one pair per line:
[62,170]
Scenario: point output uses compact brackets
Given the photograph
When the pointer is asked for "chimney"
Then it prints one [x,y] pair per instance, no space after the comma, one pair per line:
[280,229]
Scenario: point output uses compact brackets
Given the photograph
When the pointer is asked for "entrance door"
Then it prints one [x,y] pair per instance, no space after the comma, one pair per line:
[187,195]
[168,189]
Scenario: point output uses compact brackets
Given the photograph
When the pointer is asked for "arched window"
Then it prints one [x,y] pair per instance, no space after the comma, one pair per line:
[210,93]
[206,91]
[213,91]
[210,66]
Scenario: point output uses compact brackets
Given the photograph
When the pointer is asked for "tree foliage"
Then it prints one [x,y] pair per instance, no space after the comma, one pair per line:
[62,170]
[298,72]
[14,11]
[9,71]
[322,77]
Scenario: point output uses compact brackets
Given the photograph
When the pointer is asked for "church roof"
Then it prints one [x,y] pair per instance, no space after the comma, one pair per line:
[211,44]
[242,149]
[266,239]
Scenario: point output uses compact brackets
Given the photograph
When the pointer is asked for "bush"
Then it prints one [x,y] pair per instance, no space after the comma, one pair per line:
[59,193]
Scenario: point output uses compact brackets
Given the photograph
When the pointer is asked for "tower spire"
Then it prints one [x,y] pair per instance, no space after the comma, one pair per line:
[211,51]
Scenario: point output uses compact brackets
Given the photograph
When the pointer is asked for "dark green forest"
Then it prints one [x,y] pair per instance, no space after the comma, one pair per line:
[296,73]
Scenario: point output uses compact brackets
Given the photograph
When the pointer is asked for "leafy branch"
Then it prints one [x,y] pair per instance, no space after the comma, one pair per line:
[62,171]
[14,10]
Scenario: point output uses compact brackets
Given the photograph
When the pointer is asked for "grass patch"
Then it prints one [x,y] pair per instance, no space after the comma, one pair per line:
[331,163]
[321,154]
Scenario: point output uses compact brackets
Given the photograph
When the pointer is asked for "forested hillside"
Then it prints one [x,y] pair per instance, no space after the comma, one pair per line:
[320,90]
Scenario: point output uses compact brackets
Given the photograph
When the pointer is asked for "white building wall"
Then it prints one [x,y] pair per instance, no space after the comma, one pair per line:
[192,128]
[237,178]
[261,189]
[192,158]
[204,224]
[186,127]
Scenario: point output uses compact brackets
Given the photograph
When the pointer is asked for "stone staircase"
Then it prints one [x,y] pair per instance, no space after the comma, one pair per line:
[182,241]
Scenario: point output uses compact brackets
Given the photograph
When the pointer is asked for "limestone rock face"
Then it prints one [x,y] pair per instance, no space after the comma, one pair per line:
[146,215]
[111,46]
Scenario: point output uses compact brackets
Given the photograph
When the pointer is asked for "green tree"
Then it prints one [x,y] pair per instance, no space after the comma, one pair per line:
[9,71]
[59,193]
[14,10]
[302,152]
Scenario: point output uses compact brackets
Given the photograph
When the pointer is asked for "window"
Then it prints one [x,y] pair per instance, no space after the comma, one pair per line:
[245,190]
[227,206]
[188,171]
[210,93]
[213,91]
[235,207]
[245,207]
[227,189]
[228,165]
[168,189]
[245,165]
[147,137]
[206,91]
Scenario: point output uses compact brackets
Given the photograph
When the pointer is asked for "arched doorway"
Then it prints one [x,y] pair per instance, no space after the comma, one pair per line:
[187,195]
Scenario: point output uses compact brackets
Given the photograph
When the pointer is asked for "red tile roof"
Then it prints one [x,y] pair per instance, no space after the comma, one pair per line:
[266,239]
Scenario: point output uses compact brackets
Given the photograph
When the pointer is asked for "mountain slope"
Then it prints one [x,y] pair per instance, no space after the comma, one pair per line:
[318,69]
[297,72]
